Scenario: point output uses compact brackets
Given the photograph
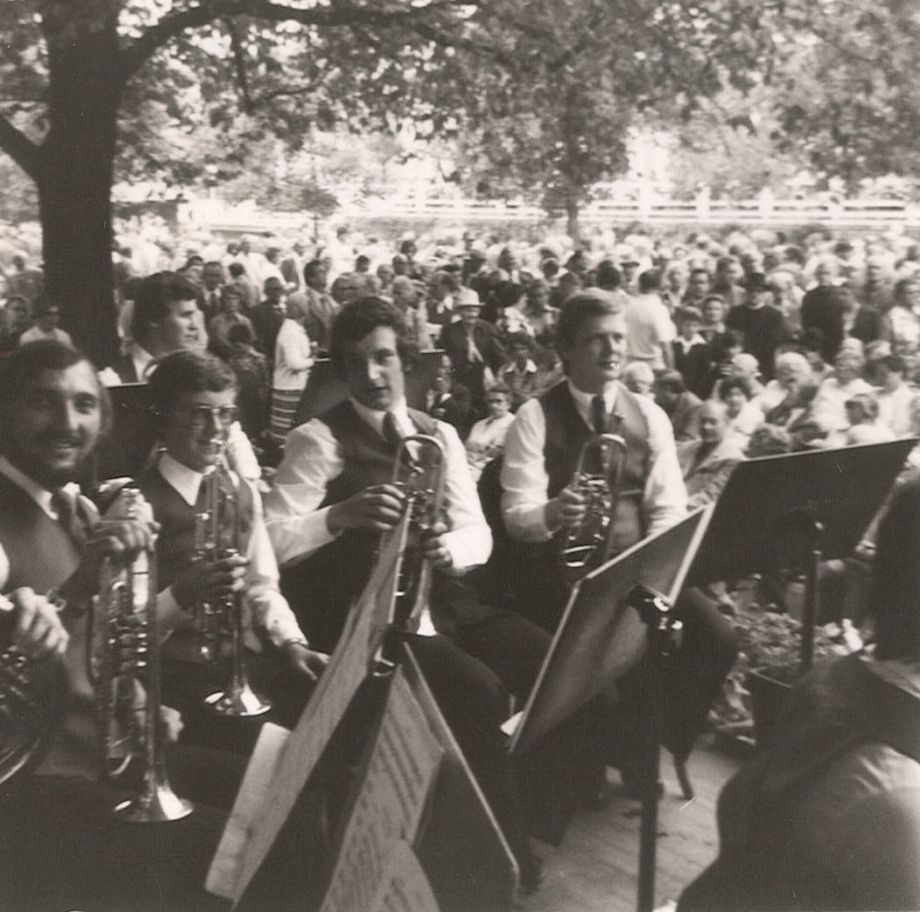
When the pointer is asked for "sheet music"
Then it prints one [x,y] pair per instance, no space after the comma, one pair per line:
[389,808]
[256,820]
[404,887]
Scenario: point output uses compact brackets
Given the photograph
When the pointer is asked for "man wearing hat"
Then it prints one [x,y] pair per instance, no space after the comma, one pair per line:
[475,351]
[761,324]
[629,266]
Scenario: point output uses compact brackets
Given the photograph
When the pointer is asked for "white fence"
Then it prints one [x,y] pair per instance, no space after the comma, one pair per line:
[765,212]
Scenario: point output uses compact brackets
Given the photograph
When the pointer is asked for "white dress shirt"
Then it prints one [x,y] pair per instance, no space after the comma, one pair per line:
[313,458]
[265,606]
[525,483]
[486,440]
[895,409]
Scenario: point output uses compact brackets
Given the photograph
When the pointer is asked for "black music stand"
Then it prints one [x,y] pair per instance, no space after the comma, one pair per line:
[794,511]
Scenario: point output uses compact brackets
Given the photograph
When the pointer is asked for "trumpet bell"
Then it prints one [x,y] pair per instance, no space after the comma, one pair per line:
[158,805]
[237,701]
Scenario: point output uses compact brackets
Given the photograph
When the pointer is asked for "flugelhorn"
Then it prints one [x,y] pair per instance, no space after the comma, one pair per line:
[33,699]
[598,478]
[220,621]
[124,667]
[418,472]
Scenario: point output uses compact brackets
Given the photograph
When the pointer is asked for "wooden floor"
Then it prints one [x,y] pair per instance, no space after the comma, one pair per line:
[595,868]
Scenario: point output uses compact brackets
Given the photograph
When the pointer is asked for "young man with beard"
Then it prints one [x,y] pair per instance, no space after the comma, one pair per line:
[60,847]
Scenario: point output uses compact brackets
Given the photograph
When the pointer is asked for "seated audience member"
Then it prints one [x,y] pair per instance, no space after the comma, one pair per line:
[692,354]
[473,346]
[193,397]
[520,373]
[904,316]
[822,309]
[828,814]
[768,440]
[862,413]
[707,463]
[332,496]
[729,344]
[713,328]
[252,380]
[829,406]
[229,315]
[639,378]
[744,417]
[679,404]
[486,439]
[47,318]
[861,321]
[791,370]
[450,402]
[268,316]
[247,287]
[407,297]
[796,417]
[15,322]
[894,396]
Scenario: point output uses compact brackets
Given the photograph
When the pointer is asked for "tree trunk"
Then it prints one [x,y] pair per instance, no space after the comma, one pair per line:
[572,228]
[75,183]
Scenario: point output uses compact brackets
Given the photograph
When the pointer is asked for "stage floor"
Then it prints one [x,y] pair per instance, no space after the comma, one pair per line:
[595,868]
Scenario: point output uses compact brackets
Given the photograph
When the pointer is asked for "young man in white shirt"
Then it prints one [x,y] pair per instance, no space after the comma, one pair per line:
[331,498]
[193,396]
[486,440]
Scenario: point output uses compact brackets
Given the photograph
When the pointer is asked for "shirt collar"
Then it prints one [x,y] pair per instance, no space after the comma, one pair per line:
[41,495]
[583,400]
[184,480]
[142,360]
[374,417]
[529,368]
[685,343]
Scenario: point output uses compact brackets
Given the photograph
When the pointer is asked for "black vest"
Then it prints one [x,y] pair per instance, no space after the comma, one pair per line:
[176,541]
[41,554]
[567,433]
[322,588]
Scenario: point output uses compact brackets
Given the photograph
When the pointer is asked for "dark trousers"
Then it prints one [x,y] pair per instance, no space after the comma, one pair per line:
[61,849]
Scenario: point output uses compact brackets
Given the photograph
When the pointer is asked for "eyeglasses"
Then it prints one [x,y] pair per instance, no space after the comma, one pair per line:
[198,416]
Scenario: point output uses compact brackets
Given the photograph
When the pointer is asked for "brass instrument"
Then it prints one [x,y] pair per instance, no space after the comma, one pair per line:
[418,472]
[33,699]
[220,621]
[124,663]
[598,477]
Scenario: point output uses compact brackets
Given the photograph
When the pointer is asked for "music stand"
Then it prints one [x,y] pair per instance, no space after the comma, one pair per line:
[797,509]
[616,615]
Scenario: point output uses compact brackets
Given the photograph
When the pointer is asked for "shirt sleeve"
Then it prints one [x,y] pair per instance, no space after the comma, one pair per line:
[469,538]
[296,524]
[665,496]
[525,484]
[240,454]
[270,609]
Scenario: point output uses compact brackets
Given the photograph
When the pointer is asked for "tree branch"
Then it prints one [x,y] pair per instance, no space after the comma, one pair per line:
[239,65]
[20,148]
[338,14]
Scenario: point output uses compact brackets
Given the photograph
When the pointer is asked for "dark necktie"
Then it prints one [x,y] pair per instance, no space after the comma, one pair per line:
[68,517]
[391,431]
[599,415]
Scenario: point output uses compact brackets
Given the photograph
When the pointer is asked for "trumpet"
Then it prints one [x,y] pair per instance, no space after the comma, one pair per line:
[124,662]
[33,699]
[419,473]
[598,478]
[220,621]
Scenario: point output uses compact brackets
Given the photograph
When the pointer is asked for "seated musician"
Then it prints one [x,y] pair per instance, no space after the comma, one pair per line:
[193,396]
[332,496]
[827,816]
[59,846]
[540,501]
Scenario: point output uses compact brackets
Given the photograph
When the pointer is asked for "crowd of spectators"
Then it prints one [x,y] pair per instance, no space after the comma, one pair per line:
[752,345]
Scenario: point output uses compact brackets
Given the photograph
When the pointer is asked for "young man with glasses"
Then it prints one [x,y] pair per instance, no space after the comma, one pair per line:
[193,396]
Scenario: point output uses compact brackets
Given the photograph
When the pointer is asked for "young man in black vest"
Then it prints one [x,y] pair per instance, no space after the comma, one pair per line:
[332,496]
[540,502]
[59,845]
[193,396]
